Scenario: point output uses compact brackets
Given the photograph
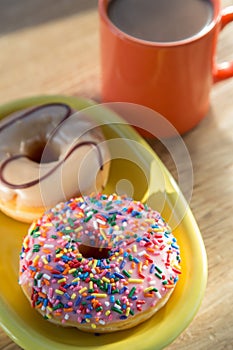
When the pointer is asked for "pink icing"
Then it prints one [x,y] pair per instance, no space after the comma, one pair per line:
[137,260]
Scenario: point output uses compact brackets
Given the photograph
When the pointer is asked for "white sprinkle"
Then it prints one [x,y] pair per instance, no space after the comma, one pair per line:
[101,222]
[95,225]
[28,256]
[143,252]
[152,283]
[48,245]
[47,277]
[117,306]
[158,295]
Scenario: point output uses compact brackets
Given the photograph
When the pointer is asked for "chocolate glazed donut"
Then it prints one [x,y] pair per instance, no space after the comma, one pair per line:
[40,151]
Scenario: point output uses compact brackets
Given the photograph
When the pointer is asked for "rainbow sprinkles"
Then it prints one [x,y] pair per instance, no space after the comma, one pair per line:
[99,263]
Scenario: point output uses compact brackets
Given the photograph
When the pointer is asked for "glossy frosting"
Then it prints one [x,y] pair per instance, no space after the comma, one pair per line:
[46,153]
[137,260]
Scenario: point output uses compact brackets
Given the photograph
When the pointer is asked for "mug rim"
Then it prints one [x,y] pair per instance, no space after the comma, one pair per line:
[103,5]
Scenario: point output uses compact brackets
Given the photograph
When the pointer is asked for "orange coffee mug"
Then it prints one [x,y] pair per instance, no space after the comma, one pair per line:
[172,77]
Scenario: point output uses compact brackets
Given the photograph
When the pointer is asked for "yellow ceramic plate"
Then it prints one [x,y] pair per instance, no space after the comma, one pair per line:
[151,181]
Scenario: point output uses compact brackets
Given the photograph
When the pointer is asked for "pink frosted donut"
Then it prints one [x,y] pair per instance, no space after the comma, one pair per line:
[99,263]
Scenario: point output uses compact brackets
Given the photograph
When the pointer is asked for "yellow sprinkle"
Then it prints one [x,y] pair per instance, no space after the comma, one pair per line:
[93,325]
[120,258]
[48,316]
[73,296]
[65,250]
[58,291]
[87,320]
[49,309]
[48,224]
[99,295]
[90,263]
[78,229]
[82,290]
[107,313]
[94,263]
[72,270]
[59,255]
[61,280]
[91,285]
[105,279]
[102,232]
[127,311]
[35,260]
[151,221]
[116,227]
[135,280]
[146,290]
[134,248]
[76,279]
[45,261]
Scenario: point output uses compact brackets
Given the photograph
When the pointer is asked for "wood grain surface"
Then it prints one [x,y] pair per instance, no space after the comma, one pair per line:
[51,47]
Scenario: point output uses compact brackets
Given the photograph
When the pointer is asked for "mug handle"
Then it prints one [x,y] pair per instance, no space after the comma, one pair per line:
[224,70]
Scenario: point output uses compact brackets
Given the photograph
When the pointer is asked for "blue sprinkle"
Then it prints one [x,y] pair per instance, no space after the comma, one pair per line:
[138,239]
[122,265]
[152,268]
[174,246]
[134,297]
[136,260]
[60,268]
[90,297]
[119,275]
[126,254]
[57,276]
[45,303]
[67,296]
[110,230]
[32,268]
[112,299]
[109,291]
[123,317]
[122,290]
[78,300]
[88,316]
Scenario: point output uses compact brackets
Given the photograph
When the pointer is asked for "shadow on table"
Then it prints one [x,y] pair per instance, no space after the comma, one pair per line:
[15,14]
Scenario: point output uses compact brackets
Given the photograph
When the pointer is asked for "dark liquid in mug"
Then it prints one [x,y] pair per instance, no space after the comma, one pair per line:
[161,20]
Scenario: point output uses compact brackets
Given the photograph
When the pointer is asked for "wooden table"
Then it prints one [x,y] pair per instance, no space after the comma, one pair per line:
[50,47]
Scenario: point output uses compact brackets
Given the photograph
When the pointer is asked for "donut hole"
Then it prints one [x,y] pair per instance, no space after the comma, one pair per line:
[39,151]
[94,252]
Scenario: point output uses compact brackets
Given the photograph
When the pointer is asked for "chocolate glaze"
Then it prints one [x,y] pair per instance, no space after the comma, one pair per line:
[17,156]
